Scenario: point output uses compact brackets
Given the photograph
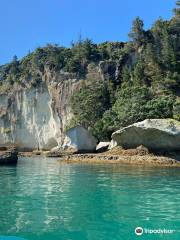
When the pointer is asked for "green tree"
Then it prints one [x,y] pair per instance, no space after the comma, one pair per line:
[130,104]
[168,53]
[160,107]
[105,126]
[83,52]
[176,109]
[126,74]
[139,76]
[90,102]
[137,33]
[14,66]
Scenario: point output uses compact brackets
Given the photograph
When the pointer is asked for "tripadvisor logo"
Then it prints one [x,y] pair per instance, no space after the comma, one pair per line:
[139,231]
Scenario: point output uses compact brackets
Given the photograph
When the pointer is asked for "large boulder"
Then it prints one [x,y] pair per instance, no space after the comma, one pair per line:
[155,134]
[81,139]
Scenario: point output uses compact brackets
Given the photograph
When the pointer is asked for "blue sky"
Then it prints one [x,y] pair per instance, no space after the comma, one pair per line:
[27,24]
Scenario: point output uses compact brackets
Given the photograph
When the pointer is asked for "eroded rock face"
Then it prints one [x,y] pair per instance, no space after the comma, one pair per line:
[155,134]
[29,121]
[35,118]
[81,139]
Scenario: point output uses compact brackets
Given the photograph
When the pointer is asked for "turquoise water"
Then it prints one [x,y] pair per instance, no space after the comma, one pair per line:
[44,200]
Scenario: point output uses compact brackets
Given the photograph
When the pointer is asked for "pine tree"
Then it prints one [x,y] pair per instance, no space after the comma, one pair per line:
[168,53]
[137,33]
[14,66]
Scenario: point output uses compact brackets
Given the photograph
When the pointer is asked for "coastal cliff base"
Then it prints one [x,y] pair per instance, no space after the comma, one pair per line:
[138,156]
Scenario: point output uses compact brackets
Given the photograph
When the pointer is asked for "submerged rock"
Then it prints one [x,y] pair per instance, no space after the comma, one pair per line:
[81,139]
[154,134]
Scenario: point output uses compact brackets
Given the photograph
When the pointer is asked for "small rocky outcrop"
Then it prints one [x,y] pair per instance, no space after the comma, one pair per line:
[102,146]
[60,152]
[8,157]
[154,134]
[80,139]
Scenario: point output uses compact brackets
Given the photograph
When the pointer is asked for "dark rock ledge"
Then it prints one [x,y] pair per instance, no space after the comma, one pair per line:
[8,157]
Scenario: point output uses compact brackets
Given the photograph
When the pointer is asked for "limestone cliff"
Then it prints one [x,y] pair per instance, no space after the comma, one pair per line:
[36,117]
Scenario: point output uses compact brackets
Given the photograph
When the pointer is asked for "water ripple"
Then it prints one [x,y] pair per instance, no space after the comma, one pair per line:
[42,199]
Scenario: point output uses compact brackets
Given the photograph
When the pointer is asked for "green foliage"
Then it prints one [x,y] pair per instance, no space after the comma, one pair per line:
[90,102]
[82,53]
[176,109]
[111,50]
[139,75]
[136,103]
[104,127]
[137,33]
[56,58]
[130,104]
[160,107]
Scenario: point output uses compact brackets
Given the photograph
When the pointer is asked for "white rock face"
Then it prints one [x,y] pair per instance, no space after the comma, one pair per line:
[155,134]
[81,139]
[29,120]
[37,117]
[112,144]
[102,145]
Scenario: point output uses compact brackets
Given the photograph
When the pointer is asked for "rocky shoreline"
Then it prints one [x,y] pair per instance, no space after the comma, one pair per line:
[118,155]
[118,159]
[150,142]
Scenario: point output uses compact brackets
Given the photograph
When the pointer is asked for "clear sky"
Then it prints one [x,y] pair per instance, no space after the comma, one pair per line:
[27,24]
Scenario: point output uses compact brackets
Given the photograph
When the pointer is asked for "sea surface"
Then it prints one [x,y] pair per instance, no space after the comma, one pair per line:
[41,199]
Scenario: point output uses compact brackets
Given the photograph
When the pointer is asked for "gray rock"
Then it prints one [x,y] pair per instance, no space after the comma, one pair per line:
[112,144]
[8,157]
[155,134]
[55,149]
[81,139]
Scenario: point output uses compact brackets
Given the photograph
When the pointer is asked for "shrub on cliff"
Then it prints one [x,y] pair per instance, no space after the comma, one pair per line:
[105,126]
[136,103]
[176,109]
[90,102]
[130,104]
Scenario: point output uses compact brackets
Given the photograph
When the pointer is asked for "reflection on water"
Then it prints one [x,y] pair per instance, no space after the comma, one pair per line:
[42,199]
